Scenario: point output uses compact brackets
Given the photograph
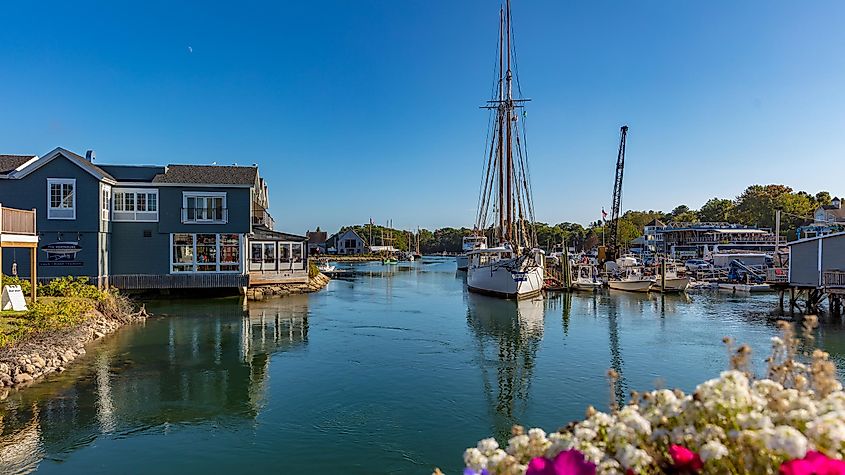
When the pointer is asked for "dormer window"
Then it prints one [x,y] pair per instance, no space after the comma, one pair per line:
[61,198]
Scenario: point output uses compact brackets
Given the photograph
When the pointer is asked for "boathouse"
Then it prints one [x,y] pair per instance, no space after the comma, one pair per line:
[347,242]
[147,226]
[818,262]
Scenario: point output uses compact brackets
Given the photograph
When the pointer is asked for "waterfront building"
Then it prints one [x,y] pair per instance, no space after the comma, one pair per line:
[652,238]
[827,219]
[818,261]
[691,240]
[317,241]
[347,242]
[149,226]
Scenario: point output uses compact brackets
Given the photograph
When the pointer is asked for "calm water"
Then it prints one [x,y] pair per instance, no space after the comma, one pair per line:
[393,372]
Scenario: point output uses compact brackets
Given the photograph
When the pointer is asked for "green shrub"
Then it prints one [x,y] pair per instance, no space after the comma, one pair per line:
[70,287]
[55,314]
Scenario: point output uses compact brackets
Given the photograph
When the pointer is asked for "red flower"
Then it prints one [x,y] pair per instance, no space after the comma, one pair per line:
[569,462]
[685,459]
[814,463]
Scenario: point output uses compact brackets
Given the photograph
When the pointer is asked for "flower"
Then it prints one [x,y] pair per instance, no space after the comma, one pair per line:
[713,450]
[685,459]
[569,462]
[469,471]
[814,463]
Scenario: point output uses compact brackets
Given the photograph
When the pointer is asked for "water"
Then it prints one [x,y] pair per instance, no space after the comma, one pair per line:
[396,371]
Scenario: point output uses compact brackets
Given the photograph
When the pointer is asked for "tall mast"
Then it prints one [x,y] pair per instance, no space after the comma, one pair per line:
[509,145]
[499,153]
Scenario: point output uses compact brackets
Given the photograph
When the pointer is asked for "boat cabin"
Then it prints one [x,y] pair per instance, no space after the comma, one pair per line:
[470,243]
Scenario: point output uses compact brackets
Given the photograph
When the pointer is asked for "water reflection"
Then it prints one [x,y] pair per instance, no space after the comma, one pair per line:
[211,373]
[508,336]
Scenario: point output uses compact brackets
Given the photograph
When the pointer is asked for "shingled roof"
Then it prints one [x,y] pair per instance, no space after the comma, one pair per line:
[8,163]
[208,174]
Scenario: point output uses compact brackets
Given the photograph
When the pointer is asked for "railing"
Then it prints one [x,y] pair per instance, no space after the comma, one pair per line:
[777,275]
[833,278]
[205,215]
[17,221]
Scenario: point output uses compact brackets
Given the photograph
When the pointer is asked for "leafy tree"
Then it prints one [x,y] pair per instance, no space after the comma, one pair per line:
[716,210]
[822,198]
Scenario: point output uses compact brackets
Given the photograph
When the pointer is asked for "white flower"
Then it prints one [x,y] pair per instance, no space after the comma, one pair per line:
[632,457]
[609,466]
[474,459]
[585,434]
[828,431]
[713,450]
[787,440]
[537,434]
[487,446]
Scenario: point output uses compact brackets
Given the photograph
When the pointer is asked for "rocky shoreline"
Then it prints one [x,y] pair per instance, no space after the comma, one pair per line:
[314,284]
[24,363]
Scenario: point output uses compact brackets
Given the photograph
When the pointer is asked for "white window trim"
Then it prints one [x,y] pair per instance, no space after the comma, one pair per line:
[241,240]
[138,216]
[204,194]
[60,181]
[105,207]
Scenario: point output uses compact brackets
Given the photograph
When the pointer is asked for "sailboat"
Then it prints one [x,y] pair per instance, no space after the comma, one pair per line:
[513,268]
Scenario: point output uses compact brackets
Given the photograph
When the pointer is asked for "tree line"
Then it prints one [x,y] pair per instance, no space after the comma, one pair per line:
[755,206]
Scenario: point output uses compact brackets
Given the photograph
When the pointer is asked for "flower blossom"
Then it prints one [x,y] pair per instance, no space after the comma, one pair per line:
[685,459]
[814,463]
[569,462]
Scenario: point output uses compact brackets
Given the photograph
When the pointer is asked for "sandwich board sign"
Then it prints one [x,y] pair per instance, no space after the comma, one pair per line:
[12,299]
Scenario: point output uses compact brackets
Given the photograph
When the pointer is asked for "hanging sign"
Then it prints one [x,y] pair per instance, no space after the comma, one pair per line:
[62,254]
[12,298]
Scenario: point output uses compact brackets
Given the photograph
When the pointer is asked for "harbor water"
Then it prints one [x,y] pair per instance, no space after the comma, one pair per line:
[395,370]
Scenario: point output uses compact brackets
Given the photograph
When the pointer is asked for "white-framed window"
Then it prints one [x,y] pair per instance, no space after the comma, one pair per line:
[61,198]
[135,204]
[204,207]
[205,252]
[105,205]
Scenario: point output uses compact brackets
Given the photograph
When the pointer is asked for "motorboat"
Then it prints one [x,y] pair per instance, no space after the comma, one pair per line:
[324,266]
[673,281]
[631,280]
[586,277]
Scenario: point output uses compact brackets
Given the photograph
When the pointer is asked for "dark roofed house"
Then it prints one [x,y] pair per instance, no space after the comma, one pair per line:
[317,241]
[147,226]
[209,175]
[9,163]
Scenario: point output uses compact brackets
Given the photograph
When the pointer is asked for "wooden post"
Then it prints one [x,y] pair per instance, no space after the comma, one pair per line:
[33,271]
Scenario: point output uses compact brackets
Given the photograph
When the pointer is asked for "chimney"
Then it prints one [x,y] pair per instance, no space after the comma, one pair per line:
[90,155]
[836,203]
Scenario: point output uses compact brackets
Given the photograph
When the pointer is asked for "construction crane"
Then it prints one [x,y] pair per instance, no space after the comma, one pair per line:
[612,250]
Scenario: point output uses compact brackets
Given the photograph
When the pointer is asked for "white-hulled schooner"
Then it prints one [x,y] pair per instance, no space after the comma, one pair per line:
[513,267]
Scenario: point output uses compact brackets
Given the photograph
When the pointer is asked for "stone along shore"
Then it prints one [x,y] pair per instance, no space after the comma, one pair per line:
[265,291]
[25,362]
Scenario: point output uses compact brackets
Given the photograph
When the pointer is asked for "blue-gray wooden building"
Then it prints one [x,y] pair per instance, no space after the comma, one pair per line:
[142,227]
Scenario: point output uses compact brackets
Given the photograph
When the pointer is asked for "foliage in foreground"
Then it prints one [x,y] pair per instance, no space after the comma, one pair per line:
[792,422]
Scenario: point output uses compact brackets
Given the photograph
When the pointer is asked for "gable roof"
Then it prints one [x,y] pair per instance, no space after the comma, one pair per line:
[9,163]
[78,160]
[208,174]
[264,233]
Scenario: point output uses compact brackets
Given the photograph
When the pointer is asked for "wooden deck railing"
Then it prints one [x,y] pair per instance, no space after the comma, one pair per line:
[17,221]
[833,278]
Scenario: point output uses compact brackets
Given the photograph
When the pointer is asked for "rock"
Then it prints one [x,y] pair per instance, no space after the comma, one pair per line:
[80,351]
[4,394]
[98,334]
[38,361]
[4,368]
[5,379]
[22,378]
[60,369]
[29,368]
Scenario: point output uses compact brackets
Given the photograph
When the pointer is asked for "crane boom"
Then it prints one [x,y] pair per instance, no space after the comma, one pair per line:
[613,246]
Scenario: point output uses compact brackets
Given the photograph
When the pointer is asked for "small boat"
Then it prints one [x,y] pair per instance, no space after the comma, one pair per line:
[734,287]
[469,244]
[389,260]
[586,278]
[632,280]
[673,282]
[324,266]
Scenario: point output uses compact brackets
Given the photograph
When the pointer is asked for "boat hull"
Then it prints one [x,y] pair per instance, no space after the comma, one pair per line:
[630,285]
[673,284]
[462,261]
[586,285]
[509,279]
[744,287]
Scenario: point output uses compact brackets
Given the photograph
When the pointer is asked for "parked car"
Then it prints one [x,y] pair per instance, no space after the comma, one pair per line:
[693,265]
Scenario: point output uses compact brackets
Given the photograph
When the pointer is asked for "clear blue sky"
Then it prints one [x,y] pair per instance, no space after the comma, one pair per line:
[380,98]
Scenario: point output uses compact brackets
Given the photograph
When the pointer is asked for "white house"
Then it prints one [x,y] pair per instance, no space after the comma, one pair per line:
[347,242]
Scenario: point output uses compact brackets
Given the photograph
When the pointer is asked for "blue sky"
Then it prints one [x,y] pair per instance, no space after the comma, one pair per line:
[360,109]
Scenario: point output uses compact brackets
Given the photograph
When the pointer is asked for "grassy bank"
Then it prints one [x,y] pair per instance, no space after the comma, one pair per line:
[62,303]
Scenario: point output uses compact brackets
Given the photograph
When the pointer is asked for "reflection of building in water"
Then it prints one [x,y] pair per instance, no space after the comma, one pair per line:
[508,334]
[209,363]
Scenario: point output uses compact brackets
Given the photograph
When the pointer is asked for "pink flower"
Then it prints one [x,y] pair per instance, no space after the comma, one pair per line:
[814,463]
[685,459]
[569,462]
